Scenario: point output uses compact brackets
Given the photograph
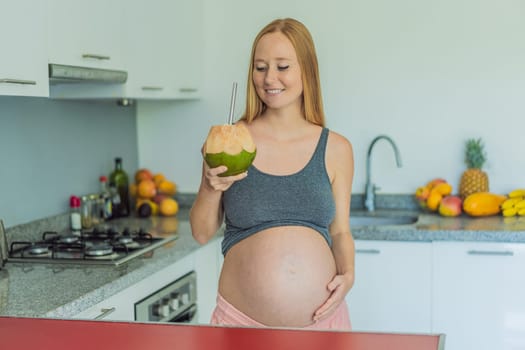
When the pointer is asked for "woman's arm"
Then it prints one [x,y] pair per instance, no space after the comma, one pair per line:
[206,214]
[340,163]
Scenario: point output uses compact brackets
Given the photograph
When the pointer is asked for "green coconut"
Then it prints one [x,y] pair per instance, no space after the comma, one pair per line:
[231,146]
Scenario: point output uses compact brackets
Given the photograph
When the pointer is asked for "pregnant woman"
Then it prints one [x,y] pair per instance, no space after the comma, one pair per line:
[288,250]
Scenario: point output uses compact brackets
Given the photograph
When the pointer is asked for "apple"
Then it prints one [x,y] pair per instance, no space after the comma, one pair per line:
[159,197]
[450,206]
[143,174]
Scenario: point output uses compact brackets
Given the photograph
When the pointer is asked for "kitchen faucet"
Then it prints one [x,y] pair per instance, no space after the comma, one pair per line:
[370,187]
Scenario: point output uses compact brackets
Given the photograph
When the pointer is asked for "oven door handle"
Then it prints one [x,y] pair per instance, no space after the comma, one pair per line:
[105,312]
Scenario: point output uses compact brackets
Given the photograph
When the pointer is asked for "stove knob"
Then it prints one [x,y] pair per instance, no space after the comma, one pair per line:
[161,309]
[165,309]
[174,303]
[185,298]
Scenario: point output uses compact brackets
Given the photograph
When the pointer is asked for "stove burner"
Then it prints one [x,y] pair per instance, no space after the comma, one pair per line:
[38,249]
[111,232]
[99,250]
[125,240]
[68,238]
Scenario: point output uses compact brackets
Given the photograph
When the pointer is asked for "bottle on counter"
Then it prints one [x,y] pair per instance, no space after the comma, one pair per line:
[86,213]
[119,188]
[105,201]
[75,217]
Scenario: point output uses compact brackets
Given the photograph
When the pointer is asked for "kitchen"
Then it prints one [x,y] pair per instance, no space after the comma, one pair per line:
[450,70]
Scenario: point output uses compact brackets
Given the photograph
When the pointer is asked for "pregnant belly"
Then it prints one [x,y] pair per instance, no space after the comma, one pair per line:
[278,276]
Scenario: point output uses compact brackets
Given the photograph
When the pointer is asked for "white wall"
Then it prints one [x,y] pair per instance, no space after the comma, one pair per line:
[428,73]
[52,149]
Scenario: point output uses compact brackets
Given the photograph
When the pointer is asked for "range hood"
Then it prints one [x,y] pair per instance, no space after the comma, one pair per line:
[59,73]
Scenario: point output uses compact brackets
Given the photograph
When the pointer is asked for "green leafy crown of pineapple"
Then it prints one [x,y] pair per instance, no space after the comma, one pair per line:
[475,155]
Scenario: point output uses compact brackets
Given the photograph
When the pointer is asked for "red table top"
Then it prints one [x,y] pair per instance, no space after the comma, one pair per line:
[37,333]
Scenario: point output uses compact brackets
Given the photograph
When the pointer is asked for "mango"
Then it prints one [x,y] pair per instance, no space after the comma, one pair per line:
[433,200]
[483,204]
[450,206]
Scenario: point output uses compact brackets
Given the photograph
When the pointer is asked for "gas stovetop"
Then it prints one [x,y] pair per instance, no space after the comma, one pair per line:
[99,246]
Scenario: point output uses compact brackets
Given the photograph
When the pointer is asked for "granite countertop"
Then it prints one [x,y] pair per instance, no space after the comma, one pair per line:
[55,290]
[432,227]
[62,290]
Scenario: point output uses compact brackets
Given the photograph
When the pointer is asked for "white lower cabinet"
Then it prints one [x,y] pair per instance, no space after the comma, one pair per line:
[207,260]
[392,290]
[479,295]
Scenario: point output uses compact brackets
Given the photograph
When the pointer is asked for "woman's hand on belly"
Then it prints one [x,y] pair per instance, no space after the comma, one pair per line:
[338,288]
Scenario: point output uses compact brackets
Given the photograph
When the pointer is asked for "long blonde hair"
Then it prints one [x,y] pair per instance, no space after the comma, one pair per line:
[304,47]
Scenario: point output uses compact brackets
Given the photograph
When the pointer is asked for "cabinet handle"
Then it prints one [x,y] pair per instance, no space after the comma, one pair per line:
[491,252]
[188,90]
[98,57]
[153,88]
[104,313]
[17,81]
[368,251]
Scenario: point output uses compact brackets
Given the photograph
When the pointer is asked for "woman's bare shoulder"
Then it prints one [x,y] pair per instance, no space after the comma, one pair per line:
[339,145]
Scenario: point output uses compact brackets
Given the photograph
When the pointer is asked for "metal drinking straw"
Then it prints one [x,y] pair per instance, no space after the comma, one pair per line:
[232,103]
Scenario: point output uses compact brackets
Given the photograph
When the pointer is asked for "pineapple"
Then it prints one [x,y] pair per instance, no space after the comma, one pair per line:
[474,179]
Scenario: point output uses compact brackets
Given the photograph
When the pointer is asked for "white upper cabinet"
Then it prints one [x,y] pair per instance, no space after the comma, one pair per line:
[158,42]
[479,291]
[163,44]
[85,33]
[393,287]
[23,61]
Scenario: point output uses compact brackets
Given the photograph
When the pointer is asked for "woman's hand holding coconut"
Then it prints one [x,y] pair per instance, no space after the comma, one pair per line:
[216,182]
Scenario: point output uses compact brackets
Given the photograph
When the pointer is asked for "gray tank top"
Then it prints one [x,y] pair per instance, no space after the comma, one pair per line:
[261,201]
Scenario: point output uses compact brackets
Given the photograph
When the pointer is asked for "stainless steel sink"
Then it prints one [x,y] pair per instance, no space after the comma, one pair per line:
[376,220]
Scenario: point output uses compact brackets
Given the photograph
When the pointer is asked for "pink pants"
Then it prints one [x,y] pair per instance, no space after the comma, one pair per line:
[226,314]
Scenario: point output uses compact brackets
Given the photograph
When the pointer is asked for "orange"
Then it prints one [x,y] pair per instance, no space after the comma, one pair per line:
[167,187]
[158,178]
[169,207]
[146,189]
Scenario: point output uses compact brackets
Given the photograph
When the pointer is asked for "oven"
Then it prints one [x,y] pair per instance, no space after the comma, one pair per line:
[173,303]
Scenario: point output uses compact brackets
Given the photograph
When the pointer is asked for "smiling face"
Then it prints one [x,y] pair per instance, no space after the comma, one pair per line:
[277,74]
